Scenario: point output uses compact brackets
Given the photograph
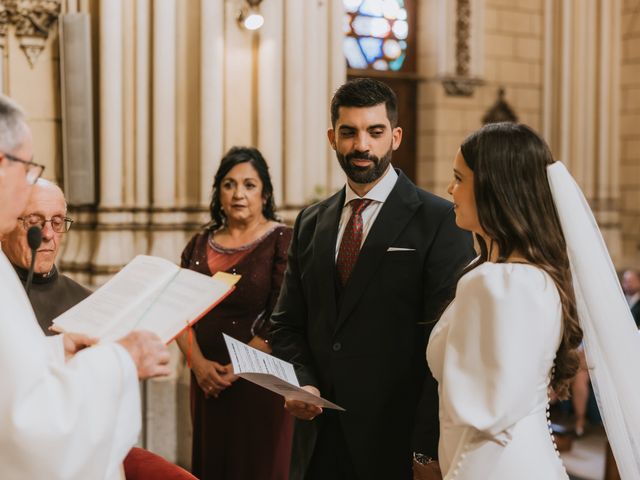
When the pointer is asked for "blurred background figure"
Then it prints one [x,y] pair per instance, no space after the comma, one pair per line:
[240,430]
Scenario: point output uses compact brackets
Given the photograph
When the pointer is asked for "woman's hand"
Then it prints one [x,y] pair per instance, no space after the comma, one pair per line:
[213,377]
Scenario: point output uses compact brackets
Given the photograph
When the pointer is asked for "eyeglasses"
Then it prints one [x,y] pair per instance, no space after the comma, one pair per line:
[58,223]
[34,170]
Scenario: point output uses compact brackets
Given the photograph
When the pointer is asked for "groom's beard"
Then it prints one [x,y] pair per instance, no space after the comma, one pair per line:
[367,174]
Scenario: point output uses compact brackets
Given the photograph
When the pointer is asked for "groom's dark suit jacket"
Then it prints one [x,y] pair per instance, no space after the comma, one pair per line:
[363,345]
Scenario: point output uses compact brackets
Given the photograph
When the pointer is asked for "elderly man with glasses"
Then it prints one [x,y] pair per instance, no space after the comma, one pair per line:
[51,293]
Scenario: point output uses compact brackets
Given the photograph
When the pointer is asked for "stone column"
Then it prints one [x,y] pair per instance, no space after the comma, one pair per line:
[313,70]
[240,119]
[316,87]
[114,242]
[270,92]
[294,116]
[2,69]
[337,76]
[142,136]
[582,102]
[166,240]
[212,94]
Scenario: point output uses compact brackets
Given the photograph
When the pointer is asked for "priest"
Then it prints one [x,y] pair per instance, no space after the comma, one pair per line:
[51,293]
[67,412]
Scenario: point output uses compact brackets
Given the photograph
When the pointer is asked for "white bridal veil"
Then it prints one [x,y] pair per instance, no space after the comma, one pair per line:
[611,339]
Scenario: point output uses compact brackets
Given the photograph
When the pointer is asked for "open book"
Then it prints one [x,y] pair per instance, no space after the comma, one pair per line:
[270,372]
[149,293]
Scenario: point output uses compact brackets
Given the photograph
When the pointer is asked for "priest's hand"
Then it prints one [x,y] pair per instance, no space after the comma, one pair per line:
[212,377]
[74,342]
[148,353]
[303,410]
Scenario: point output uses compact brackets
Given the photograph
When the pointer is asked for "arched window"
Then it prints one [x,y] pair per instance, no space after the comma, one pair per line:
[380,41]
[376,34]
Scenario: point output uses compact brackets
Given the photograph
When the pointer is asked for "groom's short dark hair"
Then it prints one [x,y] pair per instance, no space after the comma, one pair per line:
[365,92]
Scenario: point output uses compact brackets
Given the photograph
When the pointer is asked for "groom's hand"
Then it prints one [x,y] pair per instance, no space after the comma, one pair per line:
[427,471]
[303,410]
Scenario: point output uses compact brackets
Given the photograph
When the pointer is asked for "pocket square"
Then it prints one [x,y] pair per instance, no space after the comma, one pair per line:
[400,249]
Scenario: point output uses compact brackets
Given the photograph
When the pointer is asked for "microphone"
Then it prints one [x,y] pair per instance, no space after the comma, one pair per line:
[34,239]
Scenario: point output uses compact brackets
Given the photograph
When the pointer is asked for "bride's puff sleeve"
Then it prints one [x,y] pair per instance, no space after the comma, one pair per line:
[500,348]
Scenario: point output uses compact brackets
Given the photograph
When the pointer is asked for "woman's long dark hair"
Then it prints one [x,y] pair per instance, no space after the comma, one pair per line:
[236,156]
[516,210]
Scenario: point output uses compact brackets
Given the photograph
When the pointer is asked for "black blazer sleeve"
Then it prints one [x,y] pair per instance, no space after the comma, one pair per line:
[451,251]
[288,333]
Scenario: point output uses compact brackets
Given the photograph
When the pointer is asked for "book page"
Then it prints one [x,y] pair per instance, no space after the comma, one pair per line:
[121,300]
[270,372]
[188,297]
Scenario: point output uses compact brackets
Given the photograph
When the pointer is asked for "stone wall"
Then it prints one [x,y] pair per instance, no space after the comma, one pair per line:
[630,133]
[513,46]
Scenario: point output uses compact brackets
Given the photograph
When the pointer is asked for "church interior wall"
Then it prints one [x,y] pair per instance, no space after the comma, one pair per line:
[227,87]
[630,133]
[512,59]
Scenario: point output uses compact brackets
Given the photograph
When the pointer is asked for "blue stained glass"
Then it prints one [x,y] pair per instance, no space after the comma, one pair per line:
[371,47]
[391,9]
[362,26]
[400,29]
[397,63]
[392,49]
[381,65]
[346,24]
[375,8]
[351,5]
[354,55]
[375,34]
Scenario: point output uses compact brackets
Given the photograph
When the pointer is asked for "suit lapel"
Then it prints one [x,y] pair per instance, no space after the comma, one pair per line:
[324,253]
[396,212]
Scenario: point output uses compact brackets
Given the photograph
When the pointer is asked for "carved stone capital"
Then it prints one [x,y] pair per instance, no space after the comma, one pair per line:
[33,20]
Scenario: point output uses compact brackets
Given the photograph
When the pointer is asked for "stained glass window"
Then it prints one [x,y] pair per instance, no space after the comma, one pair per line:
[375,34]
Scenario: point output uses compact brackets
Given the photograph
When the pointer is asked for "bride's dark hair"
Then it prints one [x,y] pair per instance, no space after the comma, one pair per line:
[516,210]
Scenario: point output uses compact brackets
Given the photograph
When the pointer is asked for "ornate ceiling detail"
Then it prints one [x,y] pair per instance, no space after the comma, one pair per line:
[33,20]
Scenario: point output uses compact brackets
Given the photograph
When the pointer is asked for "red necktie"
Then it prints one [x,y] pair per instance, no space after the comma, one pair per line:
[351,240]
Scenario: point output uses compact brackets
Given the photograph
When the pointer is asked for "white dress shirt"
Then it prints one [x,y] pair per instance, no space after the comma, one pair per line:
[378,194]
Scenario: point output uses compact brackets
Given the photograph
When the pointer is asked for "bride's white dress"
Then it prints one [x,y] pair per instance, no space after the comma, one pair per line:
[492,353]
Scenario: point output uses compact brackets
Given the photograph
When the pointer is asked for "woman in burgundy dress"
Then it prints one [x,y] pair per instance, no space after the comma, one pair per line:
[240,431]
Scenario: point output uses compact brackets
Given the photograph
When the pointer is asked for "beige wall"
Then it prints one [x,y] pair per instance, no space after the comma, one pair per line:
[513,45]
[630,133]
[36,88]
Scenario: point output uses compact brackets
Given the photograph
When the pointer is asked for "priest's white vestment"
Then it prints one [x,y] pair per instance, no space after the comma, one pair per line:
[60,420]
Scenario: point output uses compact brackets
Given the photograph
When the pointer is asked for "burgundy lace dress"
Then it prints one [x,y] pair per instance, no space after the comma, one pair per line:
[245,433]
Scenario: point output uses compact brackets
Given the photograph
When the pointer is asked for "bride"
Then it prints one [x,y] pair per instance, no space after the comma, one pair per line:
[543,277]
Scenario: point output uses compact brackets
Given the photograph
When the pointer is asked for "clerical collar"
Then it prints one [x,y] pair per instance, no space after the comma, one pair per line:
[37,277]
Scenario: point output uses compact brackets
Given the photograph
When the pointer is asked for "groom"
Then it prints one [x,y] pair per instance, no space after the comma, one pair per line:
[369,271]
